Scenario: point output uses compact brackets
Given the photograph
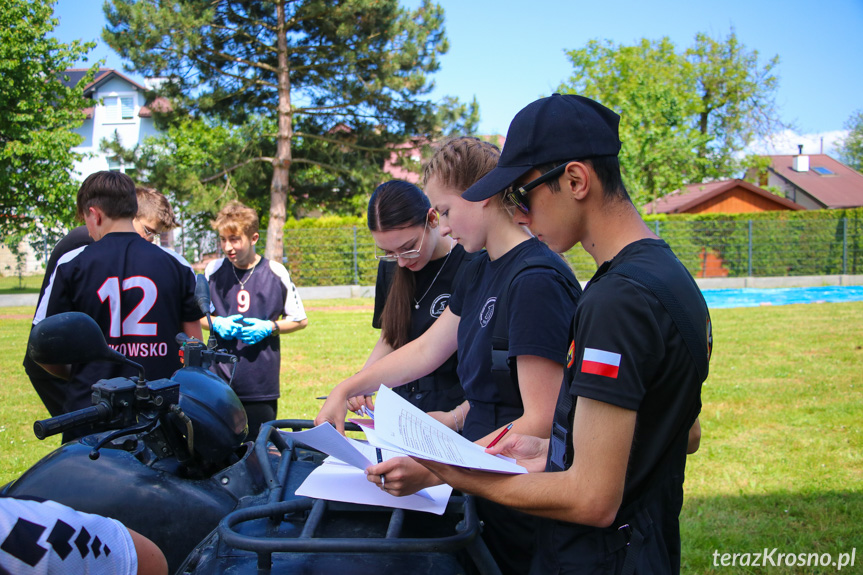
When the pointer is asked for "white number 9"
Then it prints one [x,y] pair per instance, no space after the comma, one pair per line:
[243,300]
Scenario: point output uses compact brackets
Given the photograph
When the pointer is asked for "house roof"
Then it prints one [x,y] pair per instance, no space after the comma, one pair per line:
[160,104]
[75,75]
[692,195]
[102,76]
[837,187]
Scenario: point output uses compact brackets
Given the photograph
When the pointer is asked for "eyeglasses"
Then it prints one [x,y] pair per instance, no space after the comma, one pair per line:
[148,232]
[408,255]
[518,196]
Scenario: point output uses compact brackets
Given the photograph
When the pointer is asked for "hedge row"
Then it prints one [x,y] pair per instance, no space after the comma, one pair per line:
[340,251]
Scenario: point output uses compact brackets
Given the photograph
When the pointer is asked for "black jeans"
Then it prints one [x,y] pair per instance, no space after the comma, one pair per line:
[258,412]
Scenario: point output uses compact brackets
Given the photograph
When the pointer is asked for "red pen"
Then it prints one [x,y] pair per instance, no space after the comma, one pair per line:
[499,436]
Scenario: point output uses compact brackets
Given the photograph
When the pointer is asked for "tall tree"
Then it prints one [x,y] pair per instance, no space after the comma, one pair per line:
[685,115]
[737,97]
[851,146]
[38,115]
[324,88]
[644,84]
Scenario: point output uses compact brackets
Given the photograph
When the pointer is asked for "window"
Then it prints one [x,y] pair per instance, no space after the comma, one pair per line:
[119,108]
[821,171]
[115,164]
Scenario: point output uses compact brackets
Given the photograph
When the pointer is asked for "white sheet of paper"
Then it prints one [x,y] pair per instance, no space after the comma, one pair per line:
[335,482]
[370,452]
[327,439]
[341,449]
[404,427]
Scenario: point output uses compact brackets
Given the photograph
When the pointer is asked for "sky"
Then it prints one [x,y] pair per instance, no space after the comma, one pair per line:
[507,53]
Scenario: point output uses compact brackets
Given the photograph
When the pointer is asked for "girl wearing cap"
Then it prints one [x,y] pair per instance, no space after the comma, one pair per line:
[540,304]
[415,279]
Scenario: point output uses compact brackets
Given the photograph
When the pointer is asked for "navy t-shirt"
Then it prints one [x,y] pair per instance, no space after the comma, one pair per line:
[626,351]
[269,294]
[540,307]
[52,389]
[139,293]
[440,390]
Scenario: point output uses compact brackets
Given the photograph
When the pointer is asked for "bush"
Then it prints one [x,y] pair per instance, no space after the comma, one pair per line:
[340,250]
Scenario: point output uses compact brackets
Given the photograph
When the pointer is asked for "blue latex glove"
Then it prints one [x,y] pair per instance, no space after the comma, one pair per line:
[257,330]
[227,327]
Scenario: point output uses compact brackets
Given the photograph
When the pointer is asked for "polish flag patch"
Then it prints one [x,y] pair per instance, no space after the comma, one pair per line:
[599,362]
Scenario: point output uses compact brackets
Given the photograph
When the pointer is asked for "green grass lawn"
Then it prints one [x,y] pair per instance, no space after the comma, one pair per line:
[781,458]
[13,285]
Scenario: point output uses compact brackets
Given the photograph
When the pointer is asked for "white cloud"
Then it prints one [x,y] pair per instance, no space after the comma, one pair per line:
[787,141]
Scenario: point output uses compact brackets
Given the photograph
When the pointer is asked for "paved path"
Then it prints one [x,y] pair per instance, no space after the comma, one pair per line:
[24,299]
[348,292]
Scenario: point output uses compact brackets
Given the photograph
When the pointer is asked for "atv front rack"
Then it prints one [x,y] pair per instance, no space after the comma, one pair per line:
[281,532]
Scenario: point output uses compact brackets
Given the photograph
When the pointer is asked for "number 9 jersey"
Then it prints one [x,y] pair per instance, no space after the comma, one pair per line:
[263,292]
[139,293]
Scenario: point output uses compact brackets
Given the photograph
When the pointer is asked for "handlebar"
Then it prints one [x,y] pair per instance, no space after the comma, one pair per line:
[54,425]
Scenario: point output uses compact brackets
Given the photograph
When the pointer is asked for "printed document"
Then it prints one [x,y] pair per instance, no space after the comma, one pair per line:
[342,476]
[402,427]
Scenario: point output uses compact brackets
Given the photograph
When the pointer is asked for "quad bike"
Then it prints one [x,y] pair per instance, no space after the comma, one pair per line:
[173,466]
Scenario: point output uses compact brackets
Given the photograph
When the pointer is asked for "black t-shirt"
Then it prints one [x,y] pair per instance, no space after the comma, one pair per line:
[75,239]
[140,294]
[434,283]
[540,307]
[626,351]
[51,389]
[269,294]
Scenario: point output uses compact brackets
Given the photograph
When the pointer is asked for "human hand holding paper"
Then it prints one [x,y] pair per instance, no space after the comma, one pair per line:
[404,476]
[401,426]
[528,451]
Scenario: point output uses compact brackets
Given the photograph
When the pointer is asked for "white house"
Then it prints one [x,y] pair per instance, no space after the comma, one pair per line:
[119,107]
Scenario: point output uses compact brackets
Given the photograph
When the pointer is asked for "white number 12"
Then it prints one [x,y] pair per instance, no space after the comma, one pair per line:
[132,324]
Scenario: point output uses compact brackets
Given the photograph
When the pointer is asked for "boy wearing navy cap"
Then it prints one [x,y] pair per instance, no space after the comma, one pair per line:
[627,414]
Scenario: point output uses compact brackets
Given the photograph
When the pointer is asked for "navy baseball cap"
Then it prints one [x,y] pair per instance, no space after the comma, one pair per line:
[558,128]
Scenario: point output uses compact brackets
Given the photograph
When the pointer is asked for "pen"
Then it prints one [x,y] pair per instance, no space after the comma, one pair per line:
[380,460]
[499,436]
[322,397]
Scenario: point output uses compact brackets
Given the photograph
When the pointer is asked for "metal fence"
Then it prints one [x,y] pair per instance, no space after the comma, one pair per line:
[715,248]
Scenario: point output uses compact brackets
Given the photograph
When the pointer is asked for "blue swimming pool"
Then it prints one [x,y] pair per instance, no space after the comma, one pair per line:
[753,297]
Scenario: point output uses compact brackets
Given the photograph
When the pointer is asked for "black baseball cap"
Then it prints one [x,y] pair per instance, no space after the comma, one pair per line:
[558,128]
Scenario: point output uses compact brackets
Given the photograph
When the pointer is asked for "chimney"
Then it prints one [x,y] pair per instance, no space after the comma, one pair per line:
[801,162]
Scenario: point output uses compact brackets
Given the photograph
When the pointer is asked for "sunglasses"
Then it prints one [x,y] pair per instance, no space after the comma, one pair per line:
[518,195]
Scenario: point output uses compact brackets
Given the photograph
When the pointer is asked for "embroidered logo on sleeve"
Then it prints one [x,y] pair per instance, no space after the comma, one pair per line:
[570,354]
[599,362]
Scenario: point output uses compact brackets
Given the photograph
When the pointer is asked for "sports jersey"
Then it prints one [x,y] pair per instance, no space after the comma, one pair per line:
[268,293]
[626,350]
[139,293]
[540,307]
[47,538]
[440,390]
[51,389]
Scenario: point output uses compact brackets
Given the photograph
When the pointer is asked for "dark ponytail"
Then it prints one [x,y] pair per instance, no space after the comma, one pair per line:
[395,205]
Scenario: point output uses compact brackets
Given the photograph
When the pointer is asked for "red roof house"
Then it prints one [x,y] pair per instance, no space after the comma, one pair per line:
[726,196]
[815,181]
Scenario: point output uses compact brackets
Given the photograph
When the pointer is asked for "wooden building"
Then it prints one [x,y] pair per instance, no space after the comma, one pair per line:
[726,196]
